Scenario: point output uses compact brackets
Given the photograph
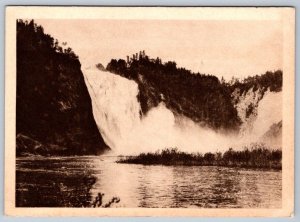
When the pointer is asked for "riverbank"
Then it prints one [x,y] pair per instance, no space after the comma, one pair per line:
[257,156]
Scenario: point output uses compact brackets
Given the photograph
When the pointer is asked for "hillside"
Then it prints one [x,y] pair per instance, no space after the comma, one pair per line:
[199,97]
[203,98]
[54,112]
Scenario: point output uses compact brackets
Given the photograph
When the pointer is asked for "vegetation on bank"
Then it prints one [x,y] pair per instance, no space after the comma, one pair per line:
[258,156]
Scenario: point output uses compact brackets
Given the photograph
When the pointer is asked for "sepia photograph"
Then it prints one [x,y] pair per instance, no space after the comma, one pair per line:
[149,111]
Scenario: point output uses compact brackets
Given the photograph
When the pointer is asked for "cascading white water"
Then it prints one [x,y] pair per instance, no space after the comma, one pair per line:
[115,110]
[117,114]
[269,112]
[264,104]
[266,112]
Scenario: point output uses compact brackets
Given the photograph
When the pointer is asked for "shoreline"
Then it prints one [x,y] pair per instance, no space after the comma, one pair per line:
[258,157]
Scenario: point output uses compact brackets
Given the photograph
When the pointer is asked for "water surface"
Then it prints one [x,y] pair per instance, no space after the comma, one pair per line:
[76,181]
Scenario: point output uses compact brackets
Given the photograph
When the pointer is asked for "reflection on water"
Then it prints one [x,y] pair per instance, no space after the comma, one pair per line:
[76,181]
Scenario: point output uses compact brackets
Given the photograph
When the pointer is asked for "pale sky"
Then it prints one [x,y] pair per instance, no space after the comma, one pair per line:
[221,48]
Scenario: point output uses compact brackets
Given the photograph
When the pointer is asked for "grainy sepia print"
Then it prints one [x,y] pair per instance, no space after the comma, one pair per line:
[149,111]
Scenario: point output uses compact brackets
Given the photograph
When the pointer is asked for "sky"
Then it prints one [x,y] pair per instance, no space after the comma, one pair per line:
[222,48]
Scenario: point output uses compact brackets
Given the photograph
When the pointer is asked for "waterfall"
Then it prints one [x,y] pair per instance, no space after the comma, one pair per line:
[117,113]
[115,106]
[266,111]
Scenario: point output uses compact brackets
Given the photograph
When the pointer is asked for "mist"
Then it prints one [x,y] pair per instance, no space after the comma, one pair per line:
[126,131]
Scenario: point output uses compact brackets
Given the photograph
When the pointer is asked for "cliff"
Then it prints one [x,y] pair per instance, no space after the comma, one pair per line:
[220,105]
[54,112]
[199,97]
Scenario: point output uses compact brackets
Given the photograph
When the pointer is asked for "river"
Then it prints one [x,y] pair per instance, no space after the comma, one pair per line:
[76,181]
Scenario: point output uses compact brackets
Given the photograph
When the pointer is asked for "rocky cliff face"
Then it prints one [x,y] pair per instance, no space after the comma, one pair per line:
[54,112]
[246,104]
